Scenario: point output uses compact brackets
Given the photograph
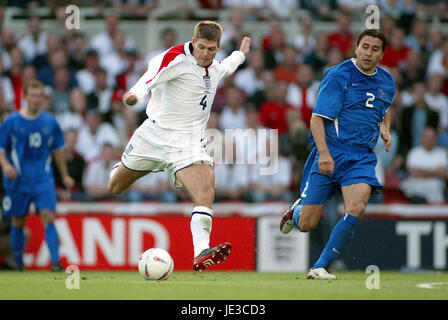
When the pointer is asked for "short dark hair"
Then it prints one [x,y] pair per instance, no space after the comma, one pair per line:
[376,33]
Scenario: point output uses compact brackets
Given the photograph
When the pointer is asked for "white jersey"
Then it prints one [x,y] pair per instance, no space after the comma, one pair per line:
[182,92]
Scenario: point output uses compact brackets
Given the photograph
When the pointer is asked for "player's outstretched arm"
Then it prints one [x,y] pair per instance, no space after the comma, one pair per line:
[385,131]
[245,45]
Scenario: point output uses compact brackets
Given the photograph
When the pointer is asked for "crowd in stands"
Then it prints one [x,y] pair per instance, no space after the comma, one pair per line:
[269,99]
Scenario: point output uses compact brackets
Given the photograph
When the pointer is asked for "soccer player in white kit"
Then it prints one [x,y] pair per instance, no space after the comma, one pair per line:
[183,82]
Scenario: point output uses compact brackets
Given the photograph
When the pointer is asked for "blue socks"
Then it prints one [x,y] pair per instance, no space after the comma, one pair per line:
[296,215]
[52,240]
[17,244]
[341,235]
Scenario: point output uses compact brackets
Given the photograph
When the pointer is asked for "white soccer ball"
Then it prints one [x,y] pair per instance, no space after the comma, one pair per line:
[155,264]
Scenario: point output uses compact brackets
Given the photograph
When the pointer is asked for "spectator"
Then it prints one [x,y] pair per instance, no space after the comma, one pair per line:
[96,177]
[233,116]
[303,94]
[317,58]
[284,10]
[129,76]
[252,8]
[77,49]
[287,71]
[412,70]
[273,44]
[418,39]
[305,41]
[86,76]
[43,60]
[342,37]
[58,59]
[354,8]
[249,79]
[135,9]
[436,100]
[116,61]
[396,51]
[427,169]
[34,42]
[168,37]
[435,39]
[397,8]
[273,113]
[103,42]
[14,73]
[75,167]
[264,187]
[61,91]
[415,118]
[153,187]
[431,6]
[234,33]
[93,134]
[321,9]
[101,98]
[130,122]
[7,43]
[73,118]
[231,178]
[7,88]
[267,91]
[438,61]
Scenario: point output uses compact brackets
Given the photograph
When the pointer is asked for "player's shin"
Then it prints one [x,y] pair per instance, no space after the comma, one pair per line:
[52,240]
[201,226]
[17,244]
[341,235]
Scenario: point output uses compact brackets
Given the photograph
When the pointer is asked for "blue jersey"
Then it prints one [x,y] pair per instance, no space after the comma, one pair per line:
[28,144]
[353,104]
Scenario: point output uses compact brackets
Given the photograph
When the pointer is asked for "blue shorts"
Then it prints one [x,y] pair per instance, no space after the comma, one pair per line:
[351,165]
[17,203]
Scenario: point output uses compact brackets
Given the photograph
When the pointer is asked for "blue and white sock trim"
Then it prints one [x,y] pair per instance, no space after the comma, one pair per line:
[203,210]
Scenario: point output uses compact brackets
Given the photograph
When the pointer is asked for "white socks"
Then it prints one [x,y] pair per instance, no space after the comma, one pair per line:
[201,227]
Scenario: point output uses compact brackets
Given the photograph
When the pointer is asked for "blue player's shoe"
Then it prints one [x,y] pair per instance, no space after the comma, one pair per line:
[287,221]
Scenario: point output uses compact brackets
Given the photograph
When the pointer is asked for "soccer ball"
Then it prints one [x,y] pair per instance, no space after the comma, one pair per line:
[155,264]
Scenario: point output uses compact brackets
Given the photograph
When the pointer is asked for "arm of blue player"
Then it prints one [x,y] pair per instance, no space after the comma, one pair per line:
[385,131]
[61,163]
[8,169]
[325,162]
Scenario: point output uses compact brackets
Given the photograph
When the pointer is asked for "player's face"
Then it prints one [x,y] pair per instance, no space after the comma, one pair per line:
[204,51]
[34,98]
[369,53]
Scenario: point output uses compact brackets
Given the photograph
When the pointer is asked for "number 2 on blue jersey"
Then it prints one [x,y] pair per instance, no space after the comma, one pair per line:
[203,102]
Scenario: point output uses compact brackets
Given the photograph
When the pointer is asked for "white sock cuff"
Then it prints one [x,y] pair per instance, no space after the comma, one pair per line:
[203,210]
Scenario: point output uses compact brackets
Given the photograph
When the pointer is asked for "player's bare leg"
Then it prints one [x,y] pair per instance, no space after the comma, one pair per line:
[356,197]
[121,178]
[51,238]
[309,216]
[198,181]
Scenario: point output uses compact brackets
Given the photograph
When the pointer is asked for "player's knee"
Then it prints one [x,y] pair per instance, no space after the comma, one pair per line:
[306,225]
[356,208]
[114,187]
[206,196]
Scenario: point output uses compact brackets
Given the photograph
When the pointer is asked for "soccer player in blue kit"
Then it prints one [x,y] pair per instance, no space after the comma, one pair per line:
[350,113]
[28,140]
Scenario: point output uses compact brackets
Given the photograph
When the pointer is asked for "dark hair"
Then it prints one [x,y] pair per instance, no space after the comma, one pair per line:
[376,33]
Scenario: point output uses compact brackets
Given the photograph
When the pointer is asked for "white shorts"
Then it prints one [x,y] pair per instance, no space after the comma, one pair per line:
[152,149]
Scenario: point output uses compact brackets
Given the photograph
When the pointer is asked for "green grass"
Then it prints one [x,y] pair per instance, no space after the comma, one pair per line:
[219,286]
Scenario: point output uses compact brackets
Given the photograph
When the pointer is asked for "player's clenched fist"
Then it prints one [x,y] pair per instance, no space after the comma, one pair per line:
[130,99]
[245,45]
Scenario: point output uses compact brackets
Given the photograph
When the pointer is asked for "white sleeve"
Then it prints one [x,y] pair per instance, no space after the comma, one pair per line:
[159,71]
[231,63]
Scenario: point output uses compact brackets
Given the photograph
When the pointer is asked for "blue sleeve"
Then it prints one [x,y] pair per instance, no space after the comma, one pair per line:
[5,137]
[59,140]
[331,94]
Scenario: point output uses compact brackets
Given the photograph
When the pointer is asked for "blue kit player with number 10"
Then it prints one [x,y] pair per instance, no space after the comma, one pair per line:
[351,111]
[28,141]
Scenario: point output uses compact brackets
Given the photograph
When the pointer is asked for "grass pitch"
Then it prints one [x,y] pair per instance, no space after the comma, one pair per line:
[42,285]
